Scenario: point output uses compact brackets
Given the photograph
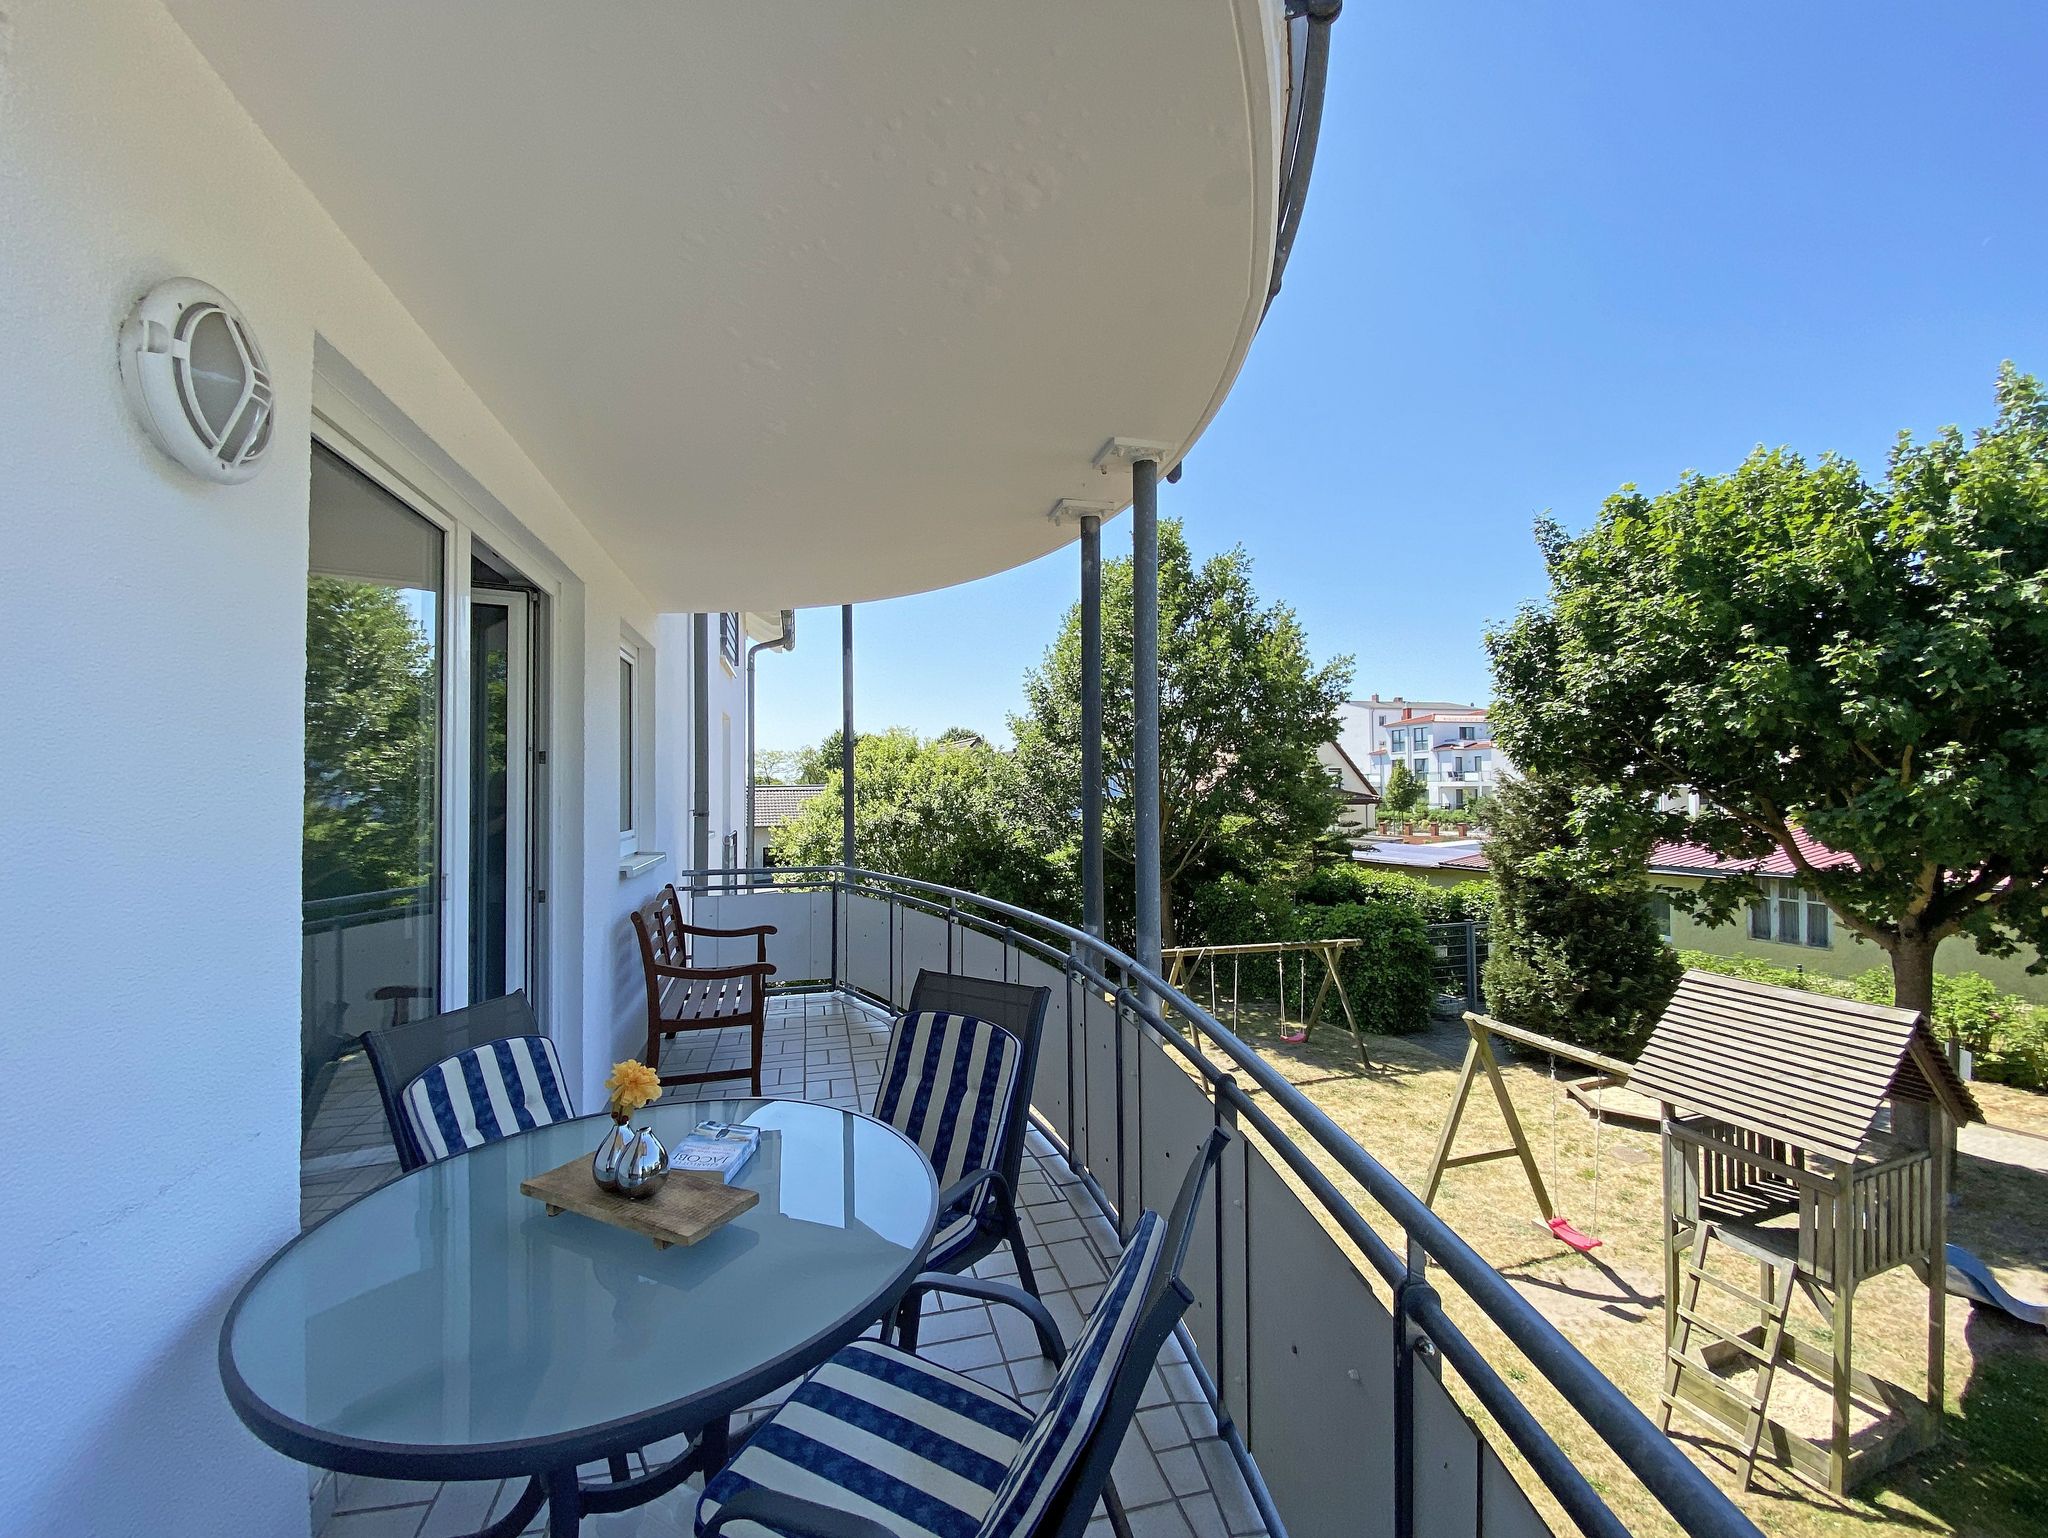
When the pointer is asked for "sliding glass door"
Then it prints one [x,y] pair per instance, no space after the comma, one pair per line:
[371,915]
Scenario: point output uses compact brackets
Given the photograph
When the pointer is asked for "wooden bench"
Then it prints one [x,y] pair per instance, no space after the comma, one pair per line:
[682,997]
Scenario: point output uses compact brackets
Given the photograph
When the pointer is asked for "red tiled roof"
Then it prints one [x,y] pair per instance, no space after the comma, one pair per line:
[1691,859]
[1466,716]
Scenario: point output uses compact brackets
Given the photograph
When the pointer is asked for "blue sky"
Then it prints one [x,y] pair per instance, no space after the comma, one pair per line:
[1554,246]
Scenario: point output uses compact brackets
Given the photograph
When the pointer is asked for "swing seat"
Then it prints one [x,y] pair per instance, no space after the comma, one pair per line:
[1571,1238]
[1294,1037]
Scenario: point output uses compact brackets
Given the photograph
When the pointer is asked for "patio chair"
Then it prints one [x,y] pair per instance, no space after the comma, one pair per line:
[401,1053]
[879,1443]
[982,1037]
[682,996]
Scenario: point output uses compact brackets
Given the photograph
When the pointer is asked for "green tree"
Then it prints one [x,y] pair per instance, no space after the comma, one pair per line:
[1242,714]
[1572,949]
[779,766]
[1864,664]
[948,810]
[1404,796]
[370,740]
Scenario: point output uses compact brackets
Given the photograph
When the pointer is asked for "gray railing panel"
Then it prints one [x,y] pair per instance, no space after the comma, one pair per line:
[1049,1088]
[1446,1459]
[1504,1507]
[864,932]
[799,950]
[1321,1421]
[920,947]
[1173,1116]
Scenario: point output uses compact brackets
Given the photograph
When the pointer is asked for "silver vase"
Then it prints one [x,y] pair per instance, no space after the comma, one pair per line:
[610,1157]
[645,1168]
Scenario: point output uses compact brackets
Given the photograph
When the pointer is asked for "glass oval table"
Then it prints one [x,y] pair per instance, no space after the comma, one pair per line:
[445,1328]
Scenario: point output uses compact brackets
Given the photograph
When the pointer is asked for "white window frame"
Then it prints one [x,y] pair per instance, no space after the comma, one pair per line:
[732,640]
[636,745]
[363,441]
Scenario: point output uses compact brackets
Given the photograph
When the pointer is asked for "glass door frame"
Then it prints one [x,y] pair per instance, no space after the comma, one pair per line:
[352,435]
[522,612]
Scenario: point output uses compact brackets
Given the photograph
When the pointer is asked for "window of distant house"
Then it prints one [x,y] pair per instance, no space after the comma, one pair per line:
[1466,733]
[1660,913]
[1421,768]
[630,738]
[1400,741]
[1789,916]
[729,637]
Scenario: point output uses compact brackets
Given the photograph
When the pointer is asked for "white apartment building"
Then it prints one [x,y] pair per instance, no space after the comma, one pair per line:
[1446,745]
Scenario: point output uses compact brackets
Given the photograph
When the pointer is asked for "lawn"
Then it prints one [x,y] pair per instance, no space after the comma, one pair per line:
[1989,1477]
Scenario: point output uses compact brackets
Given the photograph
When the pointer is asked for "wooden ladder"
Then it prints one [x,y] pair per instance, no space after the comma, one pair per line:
[1746,1411]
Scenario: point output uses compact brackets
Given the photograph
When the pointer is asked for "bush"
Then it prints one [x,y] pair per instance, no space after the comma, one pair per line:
[1573,952]
[1388,976]
[1353,883]
[2007,1036]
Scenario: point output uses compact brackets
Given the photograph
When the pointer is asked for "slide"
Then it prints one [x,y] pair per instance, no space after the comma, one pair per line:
[1969,1277]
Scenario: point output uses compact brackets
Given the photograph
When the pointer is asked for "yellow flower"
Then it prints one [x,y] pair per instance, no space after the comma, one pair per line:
[632,1084]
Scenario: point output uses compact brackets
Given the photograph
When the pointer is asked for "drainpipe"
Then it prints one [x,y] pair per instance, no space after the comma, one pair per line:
[700,744]
[786,641]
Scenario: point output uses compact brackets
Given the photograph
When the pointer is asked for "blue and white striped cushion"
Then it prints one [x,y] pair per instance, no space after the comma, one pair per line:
[486,1093]
[1079,1394]
[884,1435]
[948,1088]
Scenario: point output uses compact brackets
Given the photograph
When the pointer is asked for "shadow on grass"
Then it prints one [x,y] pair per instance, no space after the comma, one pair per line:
[1620,1298]
[1990,1475]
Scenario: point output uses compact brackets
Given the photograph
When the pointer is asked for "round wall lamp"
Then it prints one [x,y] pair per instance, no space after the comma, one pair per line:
[197,379]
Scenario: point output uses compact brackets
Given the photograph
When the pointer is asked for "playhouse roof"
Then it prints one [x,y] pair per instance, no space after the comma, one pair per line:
[1802,1067]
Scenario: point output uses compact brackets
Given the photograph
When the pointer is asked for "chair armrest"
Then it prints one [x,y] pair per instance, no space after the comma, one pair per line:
[988,1291]
[956,1194]
[714,974]
[793,1514]
[728,934]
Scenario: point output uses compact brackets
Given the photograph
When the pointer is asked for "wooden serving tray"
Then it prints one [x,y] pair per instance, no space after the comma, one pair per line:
[684,1210]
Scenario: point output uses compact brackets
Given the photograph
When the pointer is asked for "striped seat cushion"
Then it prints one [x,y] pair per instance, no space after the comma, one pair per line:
[486,1093]
[1074,1404]
[949,1085]
[884,1435]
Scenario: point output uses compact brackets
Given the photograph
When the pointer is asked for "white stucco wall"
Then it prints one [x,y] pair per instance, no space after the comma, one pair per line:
[150,772]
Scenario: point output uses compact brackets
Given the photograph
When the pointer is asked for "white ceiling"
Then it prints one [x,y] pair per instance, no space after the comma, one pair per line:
[799,303]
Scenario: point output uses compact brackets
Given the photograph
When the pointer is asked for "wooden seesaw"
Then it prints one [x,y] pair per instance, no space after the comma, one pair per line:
[1609,1072]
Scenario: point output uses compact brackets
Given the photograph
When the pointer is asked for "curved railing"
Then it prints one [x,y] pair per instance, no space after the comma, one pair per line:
[1115,1017]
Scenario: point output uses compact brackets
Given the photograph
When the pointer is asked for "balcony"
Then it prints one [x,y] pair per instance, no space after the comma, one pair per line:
[1331,1364]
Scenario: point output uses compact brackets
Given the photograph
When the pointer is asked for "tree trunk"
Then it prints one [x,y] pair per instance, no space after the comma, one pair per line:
[1913,974]
[1167,929]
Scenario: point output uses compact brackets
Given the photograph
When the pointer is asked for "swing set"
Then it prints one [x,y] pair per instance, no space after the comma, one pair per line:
[1186,962]
[1609,1072]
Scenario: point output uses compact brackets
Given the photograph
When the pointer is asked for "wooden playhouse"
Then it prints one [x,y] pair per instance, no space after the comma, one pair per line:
[1809,1136]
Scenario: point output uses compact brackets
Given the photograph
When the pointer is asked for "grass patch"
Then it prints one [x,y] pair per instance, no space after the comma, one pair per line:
[1989,1477]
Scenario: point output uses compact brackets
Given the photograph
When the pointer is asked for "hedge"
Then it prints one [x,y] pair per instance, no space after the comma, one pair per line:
[1388,976]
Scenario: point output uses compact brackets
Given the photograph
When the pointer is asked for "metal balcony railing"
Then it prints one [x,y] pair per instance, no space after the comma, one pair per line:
[1319,1331]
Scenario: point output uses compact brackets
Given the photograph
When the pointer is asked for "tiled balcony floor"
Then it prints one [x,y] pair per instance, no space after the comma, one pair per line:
[1176,1477]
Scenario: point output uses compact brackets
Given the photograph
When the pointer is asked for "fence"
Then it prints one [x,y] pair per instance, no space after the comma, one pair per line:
[1460,947]
[1321,1341]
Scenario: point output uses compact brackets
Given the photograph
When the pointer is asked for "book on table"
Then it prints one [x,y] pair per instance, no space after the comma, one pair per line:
[716,1148]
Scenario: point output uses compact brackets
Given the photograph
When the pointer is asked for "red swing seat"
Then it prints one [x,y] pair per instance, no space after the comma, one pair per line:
[1571,1238]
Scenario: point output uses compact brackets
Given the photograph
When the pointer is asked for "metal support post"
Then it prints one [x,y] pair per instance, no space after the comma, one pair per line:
[1145,701]
[1091,725]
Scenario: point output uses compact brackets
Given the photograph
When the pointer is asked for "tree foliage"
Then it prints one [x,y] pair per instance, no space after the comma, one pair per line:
[1572,950]
[949,810]
[1867,664]
[1405,796]
[1242,714]
[370,742]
